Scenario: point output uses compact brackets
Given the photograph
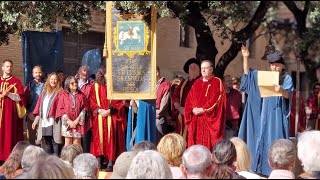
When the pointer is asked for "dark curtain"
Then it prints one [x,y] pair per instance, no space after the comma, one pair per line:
[44,49]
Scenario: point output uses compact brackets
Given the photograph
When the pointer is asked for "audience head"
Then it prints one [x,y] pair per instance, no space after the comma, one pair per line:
[236,82]
[282,154]
[122,165]
[227,82]
[52,83]
[69,152]
[316,88]
[50,167]
[71,83]
[206,68]
[30,155]
[37,73]
[83,73]
[143,145]
[192,67]
[196,161]
[172,146]
[7,67]
[224,154]
[13,162]
[243,161]
[60,74]
[149,164]
[86,166]
[100,75]
[309,150]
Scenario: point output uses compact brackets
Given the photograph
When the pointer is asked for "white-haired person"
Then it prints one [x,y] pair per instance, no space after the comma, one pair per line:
[197,163]
[309,154]
[282,155]
[86,166]
[149,164]
[30,156]
[50,167]
[243,161]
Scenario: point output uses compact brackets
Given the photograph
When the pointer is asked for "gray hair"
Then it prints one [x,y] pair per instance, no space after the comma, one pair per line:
[49,167]
[308,150]
[196,159]
[71,151]
[282,154]
[208,61]
[30,155]
[149,164]
[85,165]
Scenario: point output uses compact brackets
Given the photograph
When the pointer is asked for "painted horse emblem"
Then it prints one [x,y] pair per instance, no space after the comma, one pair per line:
[131,34]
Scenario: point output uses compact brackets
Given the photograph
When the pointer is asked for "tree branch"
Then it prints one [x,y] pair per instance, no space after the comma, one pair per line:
[242,36]
[306,7]
[292,7]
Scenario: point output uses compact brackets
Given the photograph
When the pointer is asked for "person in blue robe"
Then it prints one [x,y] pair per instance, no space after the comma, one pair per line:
[141,122]
[264,119]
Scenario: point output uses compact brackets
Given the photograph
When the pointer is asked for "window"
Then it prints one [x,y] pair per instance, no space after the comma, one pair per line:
[184,35]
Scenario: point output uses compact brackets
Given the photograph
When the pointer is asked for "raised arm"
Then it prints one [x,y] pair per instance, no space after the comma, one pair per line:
[245,55]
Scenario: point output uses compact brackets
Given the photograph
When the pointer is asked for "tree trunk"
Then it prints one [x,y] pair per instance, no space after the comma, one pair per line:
[206,49]
[241,37]
[301,18]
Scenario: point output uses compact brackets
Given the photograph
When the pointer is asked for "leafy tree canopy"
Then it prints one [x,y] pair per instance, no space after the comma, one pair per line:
[236,21]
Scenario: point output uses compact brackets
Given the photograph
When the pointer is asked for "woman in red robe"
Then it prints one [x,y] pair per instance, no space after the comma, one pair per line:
[49,127]
[108,122]
[71,109]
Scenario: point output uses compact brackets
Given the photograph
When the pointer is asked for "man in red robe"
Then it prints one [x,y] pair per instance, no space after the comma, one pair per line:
[162,105]
[12,109]
[302,120]
[179,96]
[205,109]
[108,122]
[85,87]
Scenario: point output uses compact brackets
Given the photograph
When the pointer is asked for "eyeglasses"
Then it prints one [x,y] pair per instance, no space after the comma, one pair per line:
[72,83]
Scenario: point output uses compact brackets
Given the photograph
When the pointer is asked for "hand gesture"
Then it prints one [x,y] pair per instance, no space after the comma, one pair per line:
[277,88]
[34,126]
[31,117]
[197,111]
[181,110]
[245,51]
[105,113]
[71,124]
[133,103]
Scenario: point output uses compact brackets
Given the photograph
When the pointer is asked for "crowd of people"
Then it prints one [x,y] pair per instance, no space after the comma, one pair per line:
[198,127]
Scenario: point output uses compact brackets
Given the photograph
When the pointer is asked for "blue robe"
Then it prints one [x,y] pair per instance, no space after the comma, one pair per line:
[145,123]
[264,120]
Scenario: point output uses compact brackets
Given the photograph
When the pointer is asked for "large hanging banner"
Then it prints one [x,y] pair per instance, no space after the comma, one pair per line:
[131,59]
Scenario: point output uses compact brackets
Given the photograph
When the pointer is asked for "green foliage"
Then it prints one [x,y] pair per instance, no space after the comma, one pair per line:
[36,15]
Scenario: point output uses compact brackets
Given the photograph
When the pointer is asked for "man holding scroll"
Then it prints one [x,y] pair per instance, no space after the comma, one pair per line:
[264,119]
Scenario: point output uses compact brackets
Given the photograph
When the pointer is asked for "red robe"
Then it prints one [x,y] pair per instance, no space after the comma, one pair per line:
[180,96]
[88,122]
[66,106]
[110,146]
[52,108]
[208,128]
[11,126]
[302,115]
